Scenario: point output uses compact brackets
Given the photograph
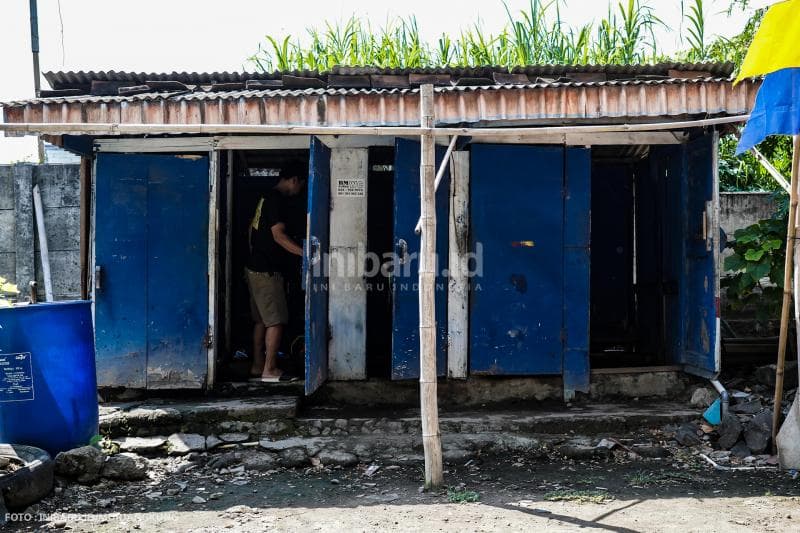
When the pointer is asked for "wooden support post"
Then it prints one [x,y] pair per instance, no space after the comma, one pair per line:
[85,200]
[458,285]
[429,408]
[44,252]
[228,251]
[787,291]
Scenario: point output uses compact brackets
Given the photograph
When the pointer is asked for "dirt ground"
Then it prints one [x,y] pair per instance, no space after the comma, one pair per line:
[509,493]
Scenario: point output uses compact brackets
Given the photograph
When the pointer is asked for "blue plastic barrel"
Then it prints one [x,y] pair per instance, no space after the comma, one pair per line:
[48,387]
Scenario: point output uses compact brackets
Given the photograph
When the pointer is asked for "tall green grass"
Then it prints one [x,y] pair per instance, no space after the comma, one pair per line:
[534,35]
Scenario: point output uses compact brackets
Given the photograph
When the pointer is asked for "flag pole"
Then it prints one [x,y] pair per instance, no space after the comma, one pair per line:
[787,290]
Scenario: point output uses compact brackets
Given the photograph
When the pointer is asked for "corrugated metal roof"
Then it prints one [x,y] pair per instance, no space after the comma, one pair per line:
[539,103]
[81,79]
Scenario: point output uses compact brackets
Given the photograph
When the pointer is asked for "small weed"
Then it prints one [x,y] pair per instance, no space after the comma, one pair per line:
[462,496]
[578,496]
[642,478]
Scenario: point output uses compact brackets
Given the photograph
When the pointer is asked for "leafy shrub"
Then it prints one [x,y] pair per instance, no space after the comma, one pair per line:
[757,263]
[7,290]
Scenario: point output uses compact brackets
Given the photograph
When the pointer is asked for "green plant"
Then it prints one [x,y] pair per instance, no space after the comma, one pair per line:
[578,496]
[7,290]
[462,496]
[757,263]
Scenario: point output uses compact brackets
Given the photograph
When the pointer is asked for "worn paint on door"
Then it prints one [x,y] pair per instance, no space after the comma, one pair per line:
[405,279]
[151,247]
[315,270]
[517,235]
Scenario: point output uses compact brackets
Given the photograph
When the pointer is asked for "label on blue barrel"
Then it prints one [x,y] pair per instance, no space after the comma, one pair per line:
[16,377]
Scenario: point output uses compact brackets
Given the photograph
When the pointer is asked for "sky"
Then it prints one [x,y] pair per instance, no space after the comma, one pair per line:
[213,35]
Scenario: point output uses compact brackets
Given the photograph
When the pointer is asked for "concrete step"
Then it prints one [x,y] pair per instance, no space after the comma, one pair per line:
[590,419]
[274,417]
[267,415]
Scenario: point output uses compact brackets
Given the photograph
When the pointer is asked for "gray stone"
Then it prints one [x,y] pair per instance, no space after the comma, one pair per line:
[340,423]
[337,458]
[312,445]
[580,452]
[702,397]
[758,431]
[729,431]
[273,427]
[225,460]
[143,445]
[83,464]
[292,457]
[183,443]
[212,441]
[198,500]
[125,467]
[740,450]
[234,437]
[747,408]
[456,455]
[687,435]
[766,375]
[260,461]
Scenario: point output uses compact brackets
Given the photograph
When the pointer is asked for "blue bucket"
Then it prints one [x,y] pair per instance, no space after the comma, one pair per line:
[48,386]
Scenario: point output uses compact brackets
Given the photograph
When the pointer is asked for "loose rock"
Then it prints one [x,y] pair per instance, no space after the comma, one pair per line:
[125,467]
[183,443]
[292,457]
[688,434]
[702,397]
[83,464]
[758,431]
[142,445]
[729,431]
[337,458]
[260,461]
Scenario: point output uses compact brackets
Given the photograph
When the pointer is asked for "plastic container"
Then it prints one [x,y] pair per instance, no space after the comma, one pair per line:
[48,386]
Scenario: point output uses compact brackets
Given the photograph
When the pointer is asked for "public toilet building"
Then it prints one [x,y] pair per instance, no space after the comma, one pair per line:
[577,217]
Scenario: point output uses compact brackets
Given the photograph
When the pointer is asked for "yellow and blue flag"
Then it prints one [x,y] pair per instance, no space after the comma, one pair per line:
[776,111]
[776,45]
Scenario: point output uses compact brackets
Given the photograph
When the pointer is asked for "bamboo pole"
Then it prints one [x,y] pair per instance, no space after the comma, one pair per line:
[113,128]
[429,408]
[787,291]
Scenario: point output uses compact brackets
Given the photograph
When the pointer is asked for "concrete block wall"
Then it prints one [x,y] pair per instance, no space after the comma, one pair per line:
[19,246]
[738,210]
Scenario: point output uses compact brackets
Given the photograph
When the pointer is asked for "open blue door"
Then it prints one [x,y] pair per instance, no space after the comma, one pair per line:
[517,232]
[151,253]
[405,279]
[700,270]
[316,275]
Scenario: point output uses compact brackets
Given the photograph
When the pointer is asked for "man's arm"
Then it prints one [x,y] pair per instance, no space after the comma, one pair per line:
[284,241]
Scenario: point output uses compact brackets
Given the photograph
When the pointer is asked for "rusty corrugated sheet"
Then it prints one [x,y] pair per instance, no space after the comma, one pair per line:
[635,100]
[70,79]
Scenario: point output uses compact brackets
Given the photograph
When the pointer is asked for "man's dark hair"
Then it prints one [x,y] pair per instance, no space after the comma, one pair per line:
[294,169]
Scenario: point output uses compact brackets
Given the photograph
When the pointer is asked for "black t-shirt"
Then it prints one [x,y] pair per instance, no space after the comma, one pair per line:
[265,254]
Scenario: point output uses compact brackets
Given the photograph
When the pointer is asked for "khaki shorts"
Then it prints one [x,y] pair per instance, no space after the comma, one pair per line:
[267,298]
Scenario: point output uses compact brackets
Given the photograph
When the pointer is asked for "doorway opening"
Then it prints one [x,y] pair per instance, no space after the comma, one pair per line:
[631,254]
[252,174]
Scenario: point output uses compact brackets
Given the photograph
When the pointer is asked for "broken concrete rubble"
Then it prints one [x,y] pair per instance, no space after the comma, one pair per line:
[83,464]
[125,467]
[729,431]
[758,431]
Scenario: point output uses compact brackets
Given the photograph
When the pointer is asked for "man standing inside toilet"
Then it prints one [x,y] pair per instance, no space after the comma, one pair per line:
[268,243]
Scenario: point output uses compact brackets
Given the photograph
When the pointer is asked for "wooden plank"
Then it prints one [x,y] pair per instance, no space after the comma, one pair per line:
[43,250]
[458,286]
[213,232]
[85,207]
[228,250]
[347,291]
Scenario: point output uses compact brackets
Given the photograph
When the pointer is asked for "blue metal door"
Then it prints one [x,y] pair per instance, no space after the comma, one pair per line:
[314,265]
[177,271]
[517,207]
[151,248]
[121,260]
[405,317]
[701,355]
